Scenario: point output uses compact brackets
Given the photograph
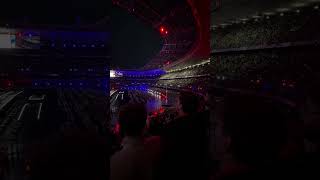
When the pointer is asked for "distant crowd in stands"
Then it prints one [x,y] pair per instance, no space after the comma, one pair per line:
[195,71]
[281,27]
[194,84]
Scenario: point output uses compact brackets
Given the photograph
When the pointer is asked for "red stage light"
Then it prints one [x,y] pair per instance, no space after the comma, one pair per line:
[163,30]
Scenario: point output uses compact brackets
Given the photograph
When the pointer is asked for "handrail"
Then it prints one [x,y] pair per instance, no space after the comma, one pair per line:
[22,111]
[9,99]
[113,92]
[39,111]
[31,98]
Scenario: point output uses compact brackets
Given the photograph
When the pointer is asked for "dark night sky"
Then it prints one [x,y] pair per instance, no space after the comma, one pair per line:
[61,12]
[133,41]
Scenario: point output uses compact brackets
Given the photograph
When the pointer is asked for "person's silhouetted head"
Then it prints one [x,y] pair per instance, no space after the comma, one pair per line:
[189,102]
[132,119]
[256,127]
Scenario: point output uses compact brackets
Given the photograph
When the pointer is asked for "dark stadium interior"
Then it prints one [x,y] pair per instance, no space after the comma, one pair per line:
[267,49]
[159,89]
[133,41]
[54,80]
[160,77]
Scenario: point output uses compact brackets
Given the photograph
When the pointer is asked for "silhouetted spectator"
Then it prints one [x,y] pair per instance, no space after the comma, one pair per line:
[311,117]
[184,143]
[133,161]
[256,131]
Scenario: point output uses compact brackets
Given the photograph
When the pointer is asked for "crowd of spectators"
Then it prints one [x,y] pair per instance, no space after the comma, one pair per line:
[169,145]
[281,27]
[190,77]
[158,121]
[52,144]
[262,138]
[81,107]
[240,66]
[279,72]
[199,84]
[190,72]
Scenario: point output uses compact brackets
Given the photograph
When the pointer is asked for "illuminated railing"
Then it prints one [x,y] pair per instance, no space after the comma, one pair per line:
[206,62]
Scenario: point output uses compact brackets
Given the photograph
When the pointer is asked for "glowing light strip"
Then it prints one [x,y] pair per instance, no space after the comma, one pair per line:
[37,99]
[39,111]
[22,110]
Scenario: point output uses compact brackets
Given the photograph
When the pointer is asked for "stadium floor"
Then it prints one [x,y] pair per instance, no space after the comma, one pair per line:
[151,98]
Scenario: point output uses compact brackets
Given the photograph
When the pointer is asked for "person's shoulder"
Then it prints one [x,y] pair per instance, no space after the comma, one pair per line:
[153,145]
[152,140]
[117,156]
[121,155]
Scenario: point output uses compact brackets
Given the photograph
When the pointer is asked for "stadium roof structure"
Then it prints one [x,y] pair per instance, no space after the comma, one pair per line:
[225,12]
[183,24]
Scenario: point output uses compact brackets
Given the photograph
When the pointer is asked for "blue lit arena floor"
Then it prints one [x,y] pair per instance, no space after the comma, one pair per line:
[152,98]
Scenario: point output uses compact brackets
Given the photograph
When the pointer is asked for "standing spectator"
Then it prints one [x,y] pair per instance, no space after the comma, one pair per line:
[256,133]
[133,161]
[311,117]
[184,143]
